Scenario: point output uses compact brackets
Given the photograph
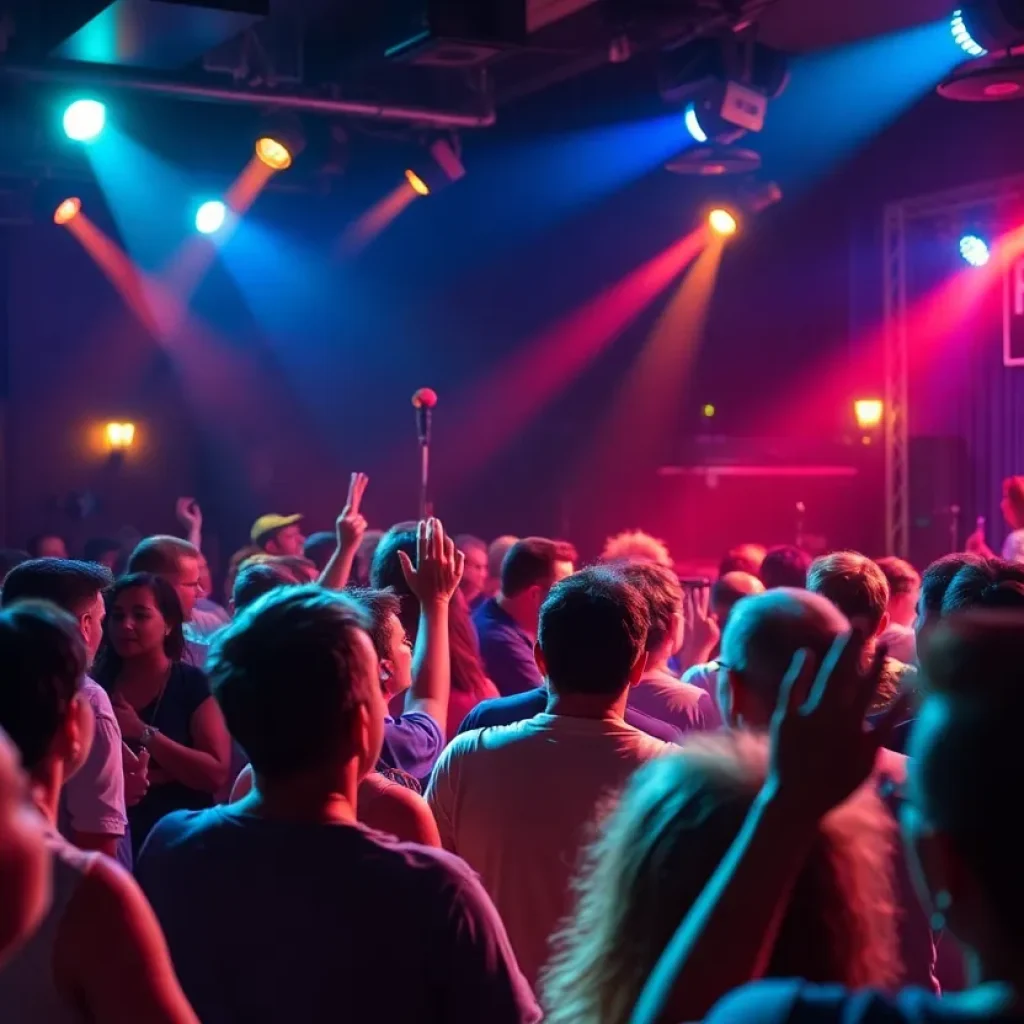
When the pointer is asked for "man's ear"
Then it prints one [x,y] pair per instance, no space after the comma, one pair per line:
[636,673]
[76,735]
[538,657]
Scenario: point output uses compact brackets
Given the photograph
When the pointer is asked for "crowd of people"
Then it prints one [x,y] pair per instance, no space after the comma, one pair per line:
[403,776]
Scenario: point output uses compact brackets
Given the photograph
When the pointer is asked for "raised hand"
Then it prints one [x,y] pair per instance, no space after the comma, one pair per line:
[701,632]
[351,525]
[821,746]
[439,567]
[189,513]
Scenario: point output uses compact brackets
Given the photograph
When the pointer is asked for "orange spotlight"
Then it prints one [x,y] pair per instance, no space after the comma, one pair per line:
[120,436]
[418,184]
[722,222]
[869,412]
[67,210]
[273,153]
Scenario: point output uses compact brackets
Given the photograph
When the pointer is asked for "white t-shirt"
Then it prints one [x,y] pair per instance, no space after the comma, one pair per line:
[1013,549]
[517,803]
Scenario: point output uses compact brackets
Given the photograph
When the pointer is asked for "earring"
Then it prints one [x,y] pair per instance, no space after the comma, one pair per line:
[943,901]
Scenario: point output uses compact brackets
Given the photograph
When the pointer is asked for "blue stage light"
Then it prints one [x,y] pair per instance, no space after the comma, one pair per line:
[963,38]
[693,125]
[84,120]
[210,217]
[975,250]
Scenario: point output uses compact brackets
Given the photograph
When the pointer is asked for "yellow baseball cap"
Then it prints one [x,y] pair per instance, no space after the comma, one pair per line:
[271,524]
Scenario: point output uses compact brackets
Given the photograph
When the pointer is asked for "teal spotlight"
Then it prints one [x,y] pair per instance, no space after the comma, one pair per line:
[84,120]
[210,217]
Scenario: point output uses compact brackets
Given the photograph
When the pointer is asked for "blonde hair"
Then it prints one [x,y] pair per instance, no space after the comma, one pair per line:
[658,848]
[636,546]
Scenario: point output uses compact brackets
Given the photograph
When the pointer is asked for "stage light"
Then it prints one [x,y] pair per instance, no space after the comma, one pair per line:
[443,167]
[963,38]
[273,153]
[722,222]
[692,122]
[418,184]
[280,140]
[84,120]
[210,217]
[67,211]
[869,412]
[709,411]
[974,250]
[120,436]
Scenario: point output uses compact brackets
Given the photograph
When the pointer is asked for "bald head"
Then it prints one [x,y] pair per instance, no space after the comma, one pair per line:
[729,590]
[764,632]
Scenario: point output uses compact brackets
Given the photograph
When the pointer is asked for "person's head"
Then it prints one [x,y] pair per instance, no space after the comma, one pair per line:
[496,552]
[856,586]
[474,578]
[904,588]
[42,707]
[103,551]
[278,535]
[319,547]
[143,621]
[237,560]
[935,581]
[746,558]
[77,587]
[964,780]
[301,568]
[785,566]
[390,640]
[991,584]
[24,856]
[258,578]
[763,634]
[176,561]
[1012,505]
[9,558]
[297,679]
[592,638]
[657,850]
[728,590]
[636,546]
[530,569]
[386,573]
[47,545]
[660,588]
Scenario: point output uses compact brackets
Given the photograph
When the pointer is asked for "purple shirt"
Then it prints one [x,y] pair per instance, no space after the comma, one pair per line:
[412,744]
[270,921]
[506,649]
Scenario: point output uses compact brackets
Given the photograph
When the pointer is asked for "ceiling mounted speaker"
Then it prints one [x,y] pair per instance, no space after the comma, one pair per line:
[990,80]
[714,161]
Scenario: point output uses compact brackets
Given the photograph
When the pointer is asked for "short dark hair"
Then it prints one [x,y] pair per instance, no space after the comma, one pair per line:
[593,628]
[935,580]
[9,558]
[258,578]
[991,584]
[43,657]
[65,583]
[386,573]
[160,555]
[379,606]
[660,588]
[530,562]
[165,597]
[96,547]
[785,566]
[971,771]
[901,576]
[287,674]
[853,583]
[35,542]
[465,541]
[319,548]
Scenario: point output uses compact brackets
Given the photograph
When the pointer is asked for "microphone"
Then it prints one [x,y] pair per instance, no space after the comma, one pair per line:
[423,402]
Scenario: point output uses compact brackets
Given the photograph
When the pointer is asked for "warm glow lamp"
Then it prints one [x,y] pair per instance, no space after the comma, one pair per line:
[120,436]
[722,222]
[67,211]
[869,412]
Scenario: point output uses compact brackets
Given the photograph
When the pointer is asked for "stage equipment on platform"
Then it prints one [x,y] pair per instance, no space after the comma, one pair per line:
[439,167]
[424,402]
[84,120]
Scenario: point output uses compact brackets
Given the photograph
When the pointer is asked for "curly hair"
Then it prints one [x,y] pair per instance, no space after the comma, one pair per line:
[636,546]
[659,846]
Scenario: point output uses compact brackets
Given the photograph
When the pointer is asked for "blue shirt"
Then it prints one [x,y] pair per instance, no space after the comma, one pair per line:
[521,706]
[412,744]
[271,921]
[506,649]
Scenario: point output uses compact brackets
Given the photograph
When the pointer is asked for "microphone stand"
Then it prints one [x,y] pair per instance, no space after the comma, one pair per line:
[426,507]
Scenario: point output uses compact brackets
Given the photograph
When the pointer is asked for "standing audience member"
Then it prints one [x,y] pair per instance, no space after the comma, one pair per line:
[92,804]
[103,551]
[278,535]
[179,563]
[935,581]
[474,581]
[687,809]
[207,616]
[298,680]
[318,548]
[1013,513]
[659,693]
[164,706]
[24,856]
[992,584]
[9,558]
[636,546]
[496,552]
[47,545]
[904,589]
[785,566]
[964,772]
[748,558]
[858,588]
[350,529]
[517,802]
[507,623]
[98,954]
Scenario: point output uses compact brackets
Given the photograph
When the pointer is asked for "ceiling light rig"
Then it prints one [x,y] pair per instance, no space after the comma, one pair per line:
[991,33]
[440,167]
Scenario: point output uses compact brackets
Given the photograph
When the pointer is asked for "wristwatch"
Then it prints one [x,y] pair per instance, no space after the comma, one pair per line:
[147,734]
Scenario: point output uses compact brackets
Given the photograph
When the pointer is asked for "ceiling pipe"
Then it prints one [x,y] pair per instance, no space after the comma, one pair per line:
[81,75]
